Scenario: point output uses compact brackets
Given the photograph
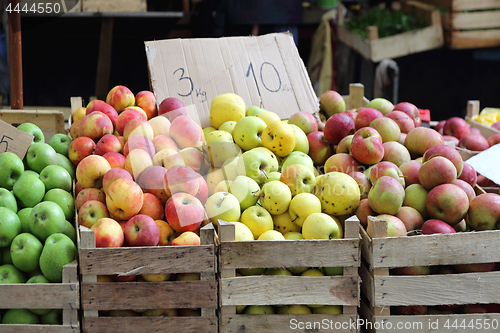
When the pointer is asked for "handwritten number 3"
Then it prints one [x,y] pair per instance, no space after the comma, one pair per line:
[185,78]
[5,142]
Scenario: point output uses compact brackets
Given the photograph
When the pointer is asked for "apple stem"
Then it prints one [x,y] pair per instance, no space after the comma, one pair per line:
[259,196]
[265,173]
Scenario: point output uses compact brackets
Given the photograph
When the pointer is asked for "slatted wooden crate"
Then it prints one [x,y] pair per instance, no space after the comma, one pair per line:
[472,111]
[65,296]
[381,290]
[287,290]
[470,24]
[375,49]
[50,122]
[149,295]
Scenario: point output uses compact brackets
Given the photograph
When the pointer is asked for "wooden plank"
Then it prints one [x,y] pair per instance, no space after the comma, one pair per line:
[50,122]
[472,109]
[424,250]
[147,260]
[351,230]
[486,131]
[475,20]
[367,284]
[366,314]
[271,290]
[313,253]
[226,234]
[70,276]
[114,6]
[87,240]
[150,324]
[148,295]
[36,295]
[462,5]
[473,39]
[366,247]
[469,288]
[356,96]
[5,328]
[287,323]
[208,236]
[354,41]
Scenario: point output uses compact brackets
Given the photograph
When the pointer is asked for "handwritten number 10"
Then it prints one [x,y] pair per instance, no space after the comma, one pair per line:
[250,70]
[4,141]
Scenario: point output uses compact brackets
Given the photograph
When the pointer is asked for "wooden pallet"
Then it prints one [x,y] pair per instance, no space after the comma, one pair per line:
[148,295]
[375,49]
[65,296]
[470,24]
[49,121]
[382,290]
[287,290]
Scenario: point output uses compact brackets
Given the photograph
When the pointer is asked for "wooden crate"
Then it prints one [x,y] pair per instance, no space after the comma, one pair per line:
[287,290]
[50,122]
[470,24]
[65,296]
[148,295]
[375,49]
[114,6]
[381,290]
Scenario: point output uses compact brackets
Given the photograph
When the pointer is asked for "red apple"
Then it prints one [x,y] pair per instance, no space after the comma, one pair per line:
[153,180]
[87,194]
[78,188]
[386,196]
[75,127]
[167,234]
[141,230]
[411,110]
[448,203]
[108,144]
[80,148]
[473,130]
[331,102]
[365,116]
[91,104]
[436,171]
[363,183]
[396,153]
[90,212]
[495,139]
[475,142]
[411,218]
[446,151]
[363,211]
[387,128]
[434,226]
[124,199]
[120,97]
[146,100]
[319,149]
[113,174]
[162,141]
[456,127]
[344,145]
[351,113]
[485,182]
[395,227]
[108,233]
[139,142]
[305,121]
[468,174]
[440,125]
[386,169]
[405,122]
[337,127]
[366,146]
[410,172]
[402,138]
[169,104]
[420,139]
[125,117]
[186,133]
[484,212]
[91,170]
[180,178]
[452,139]
[107,109]
[342,163]
[471,194]
[152,207]
[115,160]
[95,125]
[193,158]
[202,193]
[184,212]
[411,270]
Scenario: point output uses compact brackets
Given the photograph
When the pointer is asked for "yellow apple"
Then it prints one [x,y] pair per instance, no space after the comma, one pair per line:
[320,226]
[257,219]
[137,161]
[271,235]
[293,235]
[277,271]
[303,205]
[301,141]
[279,138]
[284,224]
[155,277]
[223,186]
[213,178]
[226,107]
[242,232]
[259,310]
[223,206]
[143,129]
[274,162]
[228,126]
[275,197]
[220,147]
[338,192]
[160,125]
[268,117]
[294,309]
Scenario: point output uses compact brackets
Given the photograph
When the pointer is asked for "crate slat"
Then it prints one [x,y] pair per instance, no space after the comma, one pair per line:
[150,324]
[35,295]
[148,295]
[463,5]
[11,328]
[147,260]
[475,20]
[272,290]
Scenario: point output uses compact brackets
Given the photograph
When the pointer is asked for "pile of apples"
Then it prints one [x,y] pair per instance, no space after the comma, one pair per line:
[411,179]
[37,236]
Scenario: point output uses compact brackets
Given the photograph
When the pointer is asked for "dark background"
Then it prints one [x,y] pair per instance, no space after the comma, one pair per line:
[60,60]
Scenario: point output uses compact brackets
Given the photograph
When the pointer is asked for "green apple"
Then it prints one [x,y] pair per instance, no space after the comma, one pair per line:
[275,197]
[208,130]
[20,316]
[10,226]
[332,271]
[39,279]
[8,200]
[253,110]
[312,272]
[58,251]
[11,169]
[24,215]
[54,317]
[320,226]
[248,132]
[6,259]
[271,235]
[293,235]
[258,220]
[298,157]
[303,205]
[223,206]
[33,130]
[228,126]
[301,141]
[299,178]
[10,274]
[284,224]
[220,147]
[70,231]
[274,162]
[60,142]
[45,219]
[31,173]
[66,164]
[223,186]
[229,168]
[278,271]
[273,176]
[40,155]
[416,197]
[268,116]
[294,309]
[251,271]
[29,190]
[253,164]
[64,199]
[25,252]
[259,310]
[246,190]
[328,309]
[242,232]
[55,176]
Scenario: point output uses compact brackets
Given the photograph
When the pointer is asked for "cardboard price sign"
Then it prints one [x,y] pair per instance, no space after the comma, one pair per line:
[14,140]
[265,71]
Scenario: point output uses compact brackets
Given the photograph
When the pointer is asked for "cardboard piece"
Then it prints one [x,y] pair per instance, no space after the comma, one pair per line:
[486,163]
[265,71]
[14,140]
